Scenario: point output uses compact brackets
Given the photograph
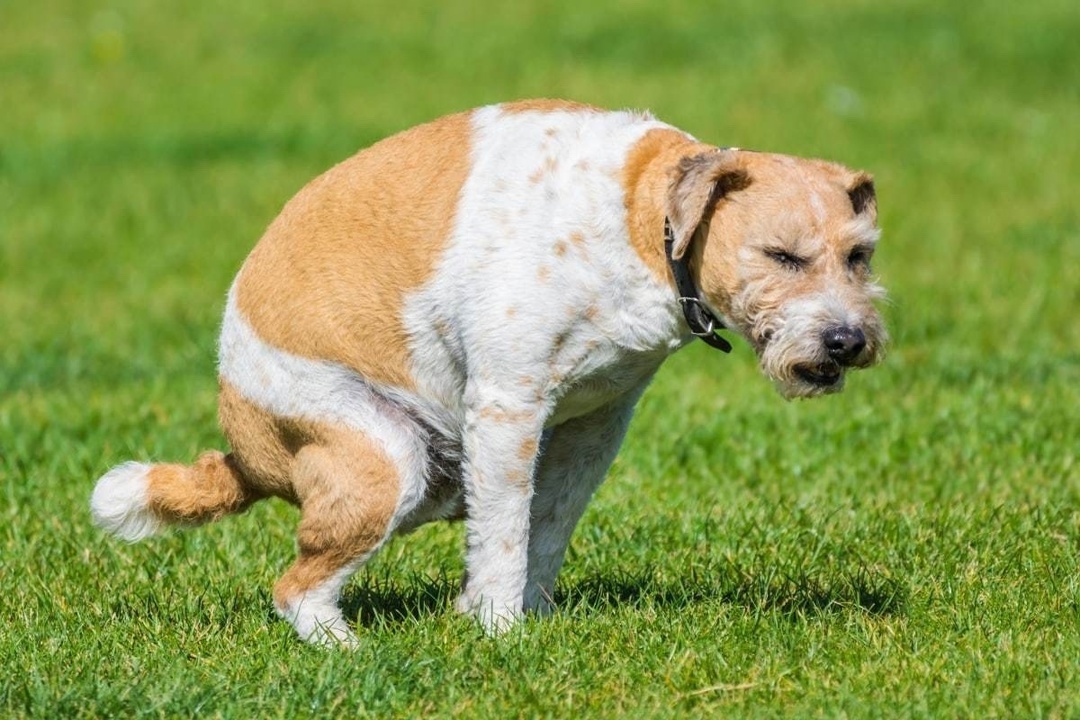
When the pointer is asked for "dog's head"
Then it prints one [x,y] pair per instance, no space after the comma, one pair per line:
[781,247]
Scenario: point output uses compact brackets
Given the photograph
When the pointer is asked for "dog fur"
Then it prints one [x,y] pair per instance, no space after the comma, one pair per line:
[458,321]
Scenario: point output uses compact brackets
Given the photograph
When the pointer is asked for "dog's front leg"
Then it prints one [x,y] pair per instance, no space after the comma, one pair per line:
[501,435]
[575,460]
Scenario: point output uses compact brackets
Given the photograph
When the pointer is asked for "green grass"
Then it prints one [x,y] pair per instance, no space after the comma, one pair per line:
[907,549]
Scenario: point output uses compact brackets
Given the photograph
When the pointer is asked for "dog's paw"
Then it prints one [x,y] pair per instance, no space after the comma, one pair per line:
[334,635]
[318,623]
[495,617]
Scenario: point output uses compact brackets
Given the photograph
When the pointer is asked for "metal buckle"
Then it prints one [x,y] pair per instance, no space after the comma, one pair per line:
[703,312]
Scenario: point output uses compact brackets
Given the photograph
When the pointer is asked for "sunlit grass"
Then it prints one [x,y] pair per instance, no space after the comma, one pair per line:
[908,548]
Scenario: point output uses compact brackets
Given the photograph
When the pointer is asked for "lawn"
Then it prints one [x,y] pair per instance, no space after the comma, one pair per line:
[906,549]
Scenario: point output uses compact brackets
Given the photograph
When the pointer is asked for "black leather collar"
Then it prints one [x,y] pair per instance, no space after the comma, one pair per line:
[702,322]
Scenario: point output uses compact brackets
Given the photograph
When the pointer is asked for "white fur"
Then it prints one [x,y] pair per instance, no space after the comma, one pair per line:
[553,316]
[120,504]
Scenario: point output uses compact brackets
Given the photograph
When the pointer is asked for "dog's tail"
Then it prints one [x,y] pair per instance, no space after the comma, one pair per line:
[135,500]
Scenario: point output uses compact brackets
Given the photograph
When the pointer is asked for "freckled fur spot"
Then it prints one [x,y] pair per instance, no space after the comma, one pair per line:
[559,342]
[500,415]
[518,479]
[528,449]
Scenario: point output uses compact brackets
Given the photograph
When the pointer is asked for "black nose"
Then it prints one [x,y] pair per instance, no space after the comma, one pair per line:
[844,343]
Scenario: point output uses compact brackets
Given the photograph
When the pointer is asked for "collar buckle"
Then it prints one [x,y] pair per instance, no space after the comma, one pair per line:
[699,318]
[702,312]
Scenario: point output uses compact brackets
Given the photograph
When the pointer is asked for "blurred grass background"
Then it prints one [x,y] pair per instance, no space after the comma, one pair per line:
[908,548]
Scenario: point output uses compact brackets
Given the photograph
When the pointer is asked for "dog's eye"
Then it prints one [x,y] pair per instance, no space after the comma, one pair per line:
[858,257]
[786,259]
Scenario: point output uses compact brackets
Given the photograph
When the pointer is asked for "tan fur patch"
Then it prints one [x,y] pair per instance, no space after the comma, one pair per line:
[698,183]
[645,180]
[263,444]
[328,278]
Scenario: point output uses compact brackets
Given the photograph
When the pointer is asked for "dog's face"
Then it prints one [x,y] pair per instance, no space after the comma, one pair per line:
[782,253]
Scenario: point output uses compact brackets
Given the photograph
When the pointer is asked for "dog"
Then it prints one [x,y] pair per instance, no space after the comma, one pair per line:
[457,322]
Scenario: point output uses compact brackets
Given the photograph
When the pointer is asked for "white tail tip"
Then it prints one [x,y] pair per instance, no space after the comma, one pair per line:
[120,503]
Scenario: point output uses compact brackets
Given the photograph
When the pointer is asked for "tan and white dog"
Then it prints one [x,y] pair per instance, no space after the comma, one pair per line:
[458,321]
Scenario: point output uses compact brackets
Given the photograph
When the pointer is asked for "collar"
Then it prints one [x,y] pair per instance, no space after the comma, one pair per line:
[702,322]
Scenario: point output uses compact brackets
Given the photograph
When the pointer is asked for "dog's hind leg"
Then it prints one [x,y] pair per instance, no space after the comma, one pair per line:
[348,490]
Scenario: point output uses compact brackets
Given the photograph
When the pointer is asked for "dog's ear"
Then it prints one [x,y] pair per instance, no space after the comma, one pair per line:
[698,182]
[862,194]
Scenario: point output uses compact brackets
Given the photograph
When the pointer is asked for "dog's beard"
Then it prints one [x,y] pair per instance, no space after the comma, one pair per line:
[791,351]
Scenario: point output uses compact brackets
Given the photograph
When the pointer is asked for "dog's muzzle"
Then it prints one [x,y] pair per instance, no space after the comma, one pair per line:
[844,348]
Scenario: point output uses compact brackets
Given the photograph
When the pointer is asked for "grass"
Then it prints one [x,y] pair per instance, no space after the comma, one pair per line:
[907,549]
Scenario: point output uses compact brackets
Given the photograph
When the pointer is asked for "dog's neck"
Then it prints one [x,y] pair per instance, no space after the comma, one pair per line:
[648,178]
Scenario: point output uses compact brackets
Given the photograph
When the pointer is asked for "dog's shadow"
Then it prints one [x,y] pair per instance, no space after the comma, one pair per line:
[379,600]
